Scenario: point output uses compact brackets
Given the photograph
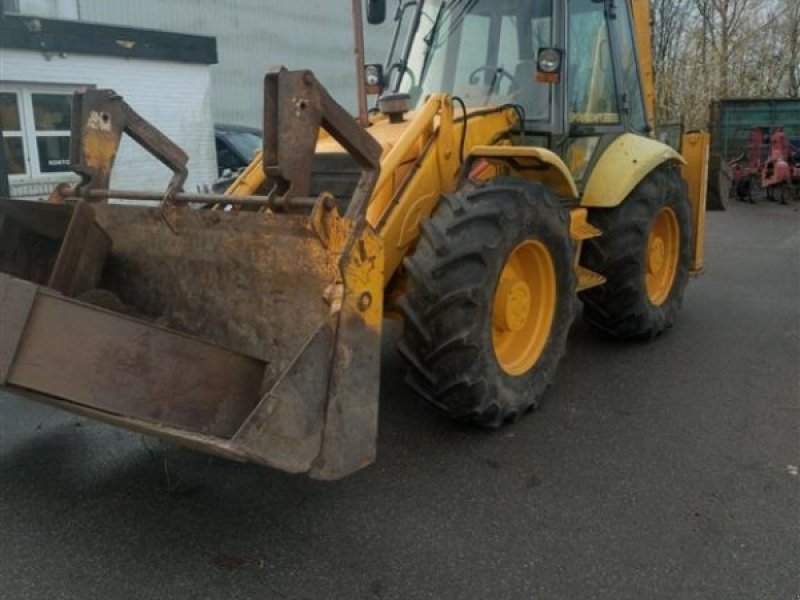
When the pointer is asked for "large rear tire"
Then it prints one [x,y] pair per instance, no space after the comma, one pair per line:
[644,253]
[490,301]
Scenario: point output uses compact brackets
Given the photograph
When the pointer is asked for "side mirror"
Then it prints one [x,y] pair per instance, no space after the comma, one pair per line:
[376,11]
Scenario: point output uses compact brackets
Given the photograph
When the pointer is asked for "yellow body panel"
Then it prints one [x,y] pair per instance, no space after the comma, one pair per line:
[250,179]
[537,164]
[695,149]
[421,164]
[400,154]
[622,166]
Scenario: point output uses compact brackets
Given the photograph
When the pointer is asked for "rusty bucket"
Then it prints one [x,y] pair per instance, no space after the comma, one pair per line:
[242,335]
[252,334]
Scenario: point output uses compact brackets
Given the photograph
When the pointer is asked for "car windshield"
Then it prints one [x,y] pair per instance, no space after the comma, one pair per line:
[246,143]
[483,51]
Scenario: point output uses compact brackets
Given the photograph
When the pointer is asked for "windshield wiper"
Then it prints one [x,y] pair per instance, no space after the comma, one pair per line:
[429,39]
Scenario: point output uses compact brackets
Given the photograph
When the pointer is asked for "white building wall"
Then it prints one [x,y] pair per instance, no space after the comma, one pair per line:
[253,35]
[175,97]
[51,9]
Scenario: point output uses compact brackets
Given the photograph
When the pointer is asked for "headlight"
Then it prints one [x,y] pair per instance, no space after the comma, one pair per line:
[549,60]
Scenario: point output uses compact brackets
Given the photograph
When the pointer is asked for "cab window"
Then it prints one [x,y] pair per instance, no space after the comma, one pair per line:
[592,93]
[629,68]
[483,51]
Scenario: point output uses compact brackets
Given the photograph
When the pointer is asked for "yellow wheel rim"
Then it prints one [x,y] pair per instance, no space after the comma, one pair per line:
[663,249]
[524,307]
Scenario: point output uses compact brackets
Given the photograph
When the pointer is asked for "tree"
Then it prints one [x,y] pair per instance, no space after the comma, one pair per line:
[792,47]
[706,50]
[669,37]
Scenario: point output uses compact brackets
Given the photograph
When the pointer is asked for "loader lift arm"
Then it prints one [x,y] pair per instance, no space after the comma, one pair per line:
[99,118]
[295,107]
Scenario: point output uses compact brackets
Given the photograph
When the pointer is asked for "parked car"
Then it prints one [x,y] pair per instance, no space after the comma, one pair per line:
[236,147]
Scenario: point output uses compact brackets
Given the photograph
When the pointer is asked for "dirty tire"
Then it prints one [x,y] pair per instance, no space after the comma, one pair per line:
[448,310]
[621,307]
[719,184]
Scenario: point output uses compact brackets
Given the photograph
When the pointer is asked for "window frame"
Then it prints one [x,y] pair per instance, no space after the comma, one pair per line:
[623,28]
[579,128]
[29,134]
[10,7]
[453,53]
[18,134]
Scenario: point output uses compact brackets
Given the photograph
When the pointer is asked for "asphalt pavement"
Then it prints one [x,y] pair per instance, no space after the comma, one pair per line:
[666,470]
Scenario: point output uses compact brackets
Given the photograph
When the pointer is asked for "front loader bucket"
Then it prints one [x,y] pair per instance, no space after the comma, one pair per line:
[252,334]
[242,335]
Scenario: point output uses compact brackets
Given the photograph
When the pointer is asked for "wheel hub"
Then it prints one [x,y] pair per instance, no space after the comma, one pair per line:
[657,252]
[512,305]
[524,307]
[663,255]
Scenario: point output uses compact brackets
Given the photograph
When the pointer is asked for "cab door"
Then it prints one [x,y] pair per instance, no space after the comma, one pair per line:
[604,96]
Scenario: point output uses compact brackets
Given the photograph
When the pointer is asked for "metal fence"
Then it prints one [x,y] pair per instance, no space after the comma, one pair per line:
[733,121]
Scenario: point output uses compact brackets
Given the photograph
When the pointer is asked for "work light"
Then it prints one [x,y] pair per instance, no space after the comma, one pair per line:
[549,60]
[548,66]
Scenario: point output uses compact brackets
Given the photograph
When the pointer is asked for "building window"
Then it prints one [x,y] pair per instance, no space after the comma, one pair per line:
[35,123]
[10,6]
[11,124]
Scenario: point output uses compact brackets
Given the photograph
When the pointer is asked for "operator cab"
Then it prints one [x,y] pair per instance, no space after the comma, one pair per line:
[490,53]
[482,52]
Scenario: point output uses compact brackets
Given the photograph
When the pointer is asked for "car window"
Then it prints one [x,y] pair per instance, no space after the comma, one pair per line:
[227,158]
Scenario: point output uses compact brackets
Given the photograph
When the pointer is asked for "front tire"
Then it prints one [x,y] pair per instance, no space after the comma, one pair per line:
[491,289]
[644,254]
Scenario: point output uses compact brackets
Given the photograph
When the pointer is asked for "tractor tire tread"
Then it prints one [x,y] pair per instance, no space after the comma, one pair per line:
[620,307]
[451,281]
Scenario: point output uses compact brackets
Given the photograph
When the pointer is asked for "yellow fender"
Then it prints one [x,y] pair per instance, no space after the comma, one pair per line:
[536,164]
[622,166]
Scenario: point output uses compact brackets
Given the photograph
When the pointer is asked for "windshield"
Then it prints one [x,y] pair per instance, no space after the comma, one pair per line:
[483,51]
[246,143]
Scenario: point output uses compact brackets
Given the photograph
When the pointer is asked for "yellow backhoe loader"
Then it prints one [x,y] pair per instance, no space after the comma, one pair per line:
[507,170]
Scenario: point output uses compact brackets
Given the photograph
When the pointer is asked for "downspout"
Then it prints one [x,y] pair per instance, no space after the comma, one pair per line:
[358,32]
[5,190]
[4,185]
